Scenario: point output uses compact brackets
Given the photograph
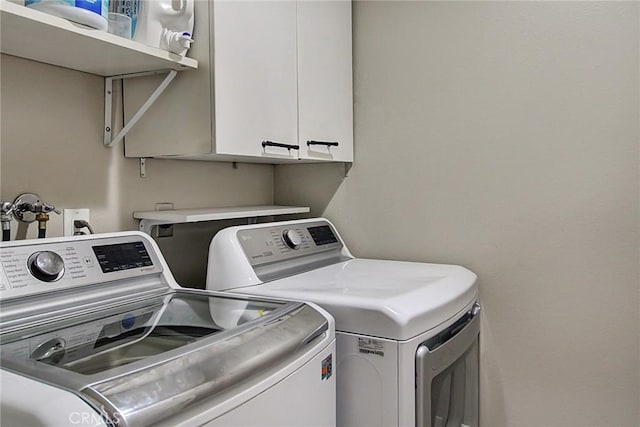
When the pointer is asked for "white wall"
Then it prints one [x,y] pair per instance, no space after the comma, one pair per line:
[504,136]
[51,143]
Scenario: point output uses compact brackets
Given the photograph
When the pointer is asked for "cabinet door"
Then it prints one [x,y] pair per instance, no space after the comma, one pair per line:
[325,88]
[255,77]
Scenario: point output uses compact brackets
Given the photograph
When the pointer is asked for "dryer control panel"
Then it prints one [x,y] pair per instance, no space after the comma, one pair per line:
[286,241]
[256,253]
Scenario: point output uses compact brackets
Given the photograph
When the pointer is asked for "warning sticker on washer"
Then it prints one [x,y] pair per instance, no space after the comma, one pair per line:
[327,367]
[371,346]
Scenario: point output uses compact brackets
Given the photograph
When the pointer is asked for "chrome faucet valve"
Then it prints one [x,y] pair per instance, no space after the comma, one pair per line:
[48,208]
[6,211]
[24,207]
[28,208]
[28,205]
[43,210]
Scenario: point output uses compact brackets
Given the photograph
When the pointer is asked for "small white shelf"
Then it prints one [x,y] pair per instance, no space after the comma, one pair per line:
[148,219]
[41,37]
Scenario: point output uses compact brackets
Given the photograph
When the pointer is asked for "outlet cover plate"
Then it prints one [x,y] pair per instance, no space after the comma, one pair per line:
[70,215]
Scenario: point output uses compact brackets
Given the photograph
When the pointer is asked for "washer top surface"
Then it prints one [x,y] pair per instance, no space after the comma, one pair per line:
[389,299]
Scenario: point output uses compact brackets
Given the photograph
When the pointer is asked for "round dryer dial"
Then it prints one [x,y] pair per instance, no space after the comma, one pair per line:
[46,265]
[291,238]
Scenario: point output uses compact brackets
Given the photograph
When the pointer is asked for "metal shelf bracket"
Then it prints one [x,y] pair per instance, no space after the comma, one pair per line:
[146,225]
[347,169]
[108,103]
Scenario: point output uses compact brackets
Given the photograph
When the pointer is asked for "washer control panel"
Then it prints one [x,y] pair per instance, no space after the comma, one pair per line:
[30,267]
[283,242]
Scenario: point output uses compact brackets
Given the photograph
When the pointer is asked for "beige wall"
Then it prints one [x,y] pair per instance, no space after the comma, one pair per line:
[505,137]
[51,144]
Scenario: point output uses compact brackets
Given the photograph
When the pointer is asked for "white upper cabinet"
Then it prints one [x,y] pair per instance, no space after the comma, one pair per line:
[272,75]
[325,88]
[255,77]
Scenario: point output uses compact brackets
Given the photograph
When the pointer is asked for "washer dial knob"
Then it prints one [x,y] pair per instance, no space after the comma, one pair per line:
[46,265]
[291,238]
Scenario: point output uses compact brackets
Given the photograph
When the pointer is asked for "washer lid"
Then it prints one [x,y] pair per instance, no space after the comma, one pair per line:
[388,299]
[139,364]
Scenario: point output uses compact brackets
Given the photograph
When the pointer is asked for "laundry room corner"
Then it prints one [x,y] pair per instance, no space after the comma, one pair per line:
[504,137]
[425,213]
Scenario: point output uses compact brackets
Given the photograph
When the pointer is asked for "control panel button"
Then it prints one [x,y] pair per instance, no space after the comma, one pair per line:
[46,265]
[291,238]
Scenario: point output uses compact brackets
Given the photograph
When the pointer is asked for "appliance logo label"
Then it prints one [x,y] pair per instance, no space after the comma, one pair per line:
[371,346]
[327,367]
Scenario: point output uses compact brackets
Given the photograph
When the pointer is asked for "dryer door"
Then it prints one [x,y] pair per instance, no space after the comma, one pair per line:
[447,375]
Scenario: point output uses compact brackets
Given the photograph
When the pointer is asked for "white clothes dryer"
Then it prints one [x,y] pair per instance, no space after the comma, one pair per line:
[95,331]
[407,333]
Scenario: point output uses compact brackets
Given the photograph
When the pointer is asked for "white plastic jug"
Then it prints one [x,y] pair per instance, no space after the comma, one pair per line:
[165,24]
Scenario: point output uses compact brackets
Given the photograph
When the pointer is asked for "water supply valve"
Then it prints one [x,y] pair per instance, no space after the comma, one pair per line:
[43,210]
[6,213]
[28,208]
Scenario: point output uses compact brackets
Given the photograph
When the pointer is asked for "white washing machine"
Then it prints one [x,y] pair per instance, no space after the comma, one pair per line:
[407,333]
[95,331]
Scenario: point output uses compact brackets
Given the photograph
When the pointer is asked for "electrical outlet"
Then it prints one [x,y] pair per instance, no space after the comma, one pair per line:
[70,215]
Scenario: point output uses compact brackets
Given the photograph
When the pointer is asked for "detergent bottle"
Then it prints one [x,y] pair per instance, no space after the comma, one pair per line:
[165,24]
[92,13]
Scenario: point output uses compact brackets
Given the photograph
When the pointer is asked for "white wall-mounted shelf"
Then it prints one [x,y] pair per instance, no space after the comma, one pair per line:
[38,36]
[148,219]
[41,37]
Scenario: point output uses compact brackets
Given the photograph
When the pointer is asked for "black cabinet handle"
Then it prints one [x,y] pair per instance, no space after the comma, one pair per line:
[328,144]
[289,147]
